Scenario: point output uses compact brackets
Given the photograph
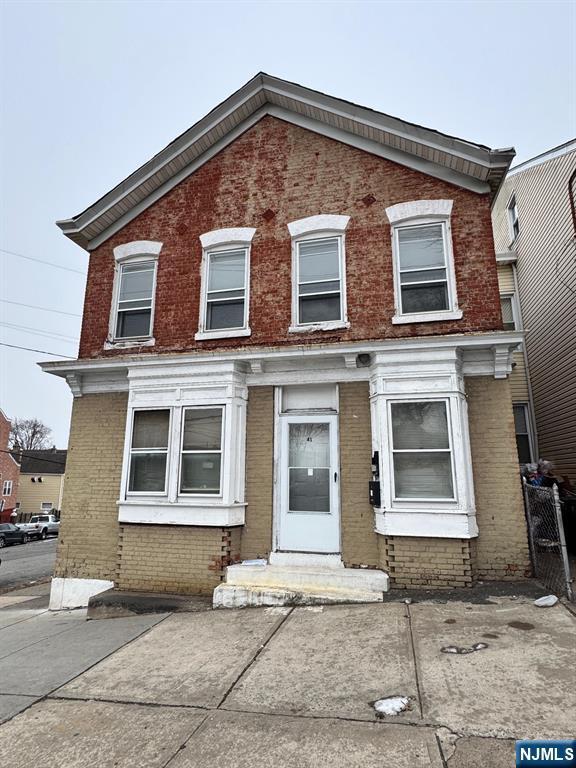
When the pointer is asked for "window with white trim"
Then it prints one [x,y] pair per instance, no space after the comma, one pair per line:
[7,488]
[507,305]
[46,506]
[513,221]
[422,268]
[149,451]
[135,299]
[522,429]
[227,276]
[201,454]
[422,466]
[319,280]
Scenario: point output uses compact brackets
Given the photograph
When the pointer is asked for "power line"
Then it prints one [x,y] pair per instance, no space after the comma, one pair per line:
[22,455]
[41,351]
[40,332]
[41,261]
[44,309]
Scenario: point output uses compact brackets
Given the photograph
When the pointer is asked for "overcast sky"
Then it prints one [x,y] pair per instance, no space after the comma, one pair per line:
[90,91]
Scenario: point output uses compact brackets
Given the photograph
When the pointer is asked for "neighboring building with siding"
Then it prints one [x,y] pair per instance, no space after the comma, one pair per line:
[534,219]
[292,349]
[41,481]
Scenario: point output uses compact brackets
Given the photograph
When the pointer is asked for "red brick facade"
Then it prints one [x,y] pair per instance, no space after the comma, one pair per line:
[294,173]
[9,470]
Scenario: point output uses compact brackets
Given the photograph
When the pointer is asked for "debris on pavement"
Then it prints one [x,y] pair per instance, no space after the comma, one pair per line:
[392,705]
[546,602]
[461,650]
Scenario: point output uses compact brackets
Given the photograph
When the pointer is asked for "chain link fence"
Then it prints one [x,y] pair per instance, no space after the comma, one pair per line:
[546,538]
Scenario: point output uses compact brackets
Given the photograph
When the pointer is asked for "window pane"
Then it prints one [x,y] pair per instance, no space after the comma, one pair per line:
[319,260]
[225,314]
[134,323]
[320,309]
[421,247]
[419,425]
[226,270]
[323,287]
[137,281]
[423,475]
[150,429]
[520,421]
[425,298]
[507,313]
[523,446]
[202,429]
[422,275]
[309,445]
[147,472]
[221,295]
[309,490]
[200,473]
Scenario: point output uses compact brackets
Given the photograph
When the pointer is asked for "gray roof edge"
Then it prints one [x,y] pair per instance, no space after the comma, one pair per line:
[497,161]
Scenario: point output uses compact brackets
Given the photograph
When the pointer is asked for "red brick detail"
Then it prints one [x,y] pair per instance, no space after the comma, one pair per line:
[9,470]
[295,173]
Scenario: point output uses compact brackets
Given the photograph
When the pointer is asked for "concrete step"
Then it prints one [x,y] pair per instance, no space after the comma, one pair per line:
[300,578]
[251,596]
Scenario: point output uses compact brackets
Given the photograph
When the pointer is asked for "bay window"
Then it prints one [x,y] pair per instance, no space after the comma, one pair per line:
[421,451]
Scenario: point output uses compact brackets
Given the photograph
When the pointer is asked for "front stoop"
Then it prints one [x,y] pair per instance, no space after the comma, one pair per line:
[255,585]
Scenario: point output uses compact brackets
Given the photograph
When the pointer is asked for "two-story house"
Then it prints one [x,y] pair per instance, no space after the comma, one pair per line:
[292,351]
[41,481]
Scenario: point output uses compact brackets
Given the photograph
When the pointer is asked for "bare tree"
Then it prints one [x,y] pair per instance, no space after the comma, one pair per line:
[29,435]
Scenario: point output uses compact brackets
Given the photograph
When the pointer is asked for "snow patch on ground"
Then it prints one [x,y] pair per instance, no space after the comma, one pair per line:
[393,705]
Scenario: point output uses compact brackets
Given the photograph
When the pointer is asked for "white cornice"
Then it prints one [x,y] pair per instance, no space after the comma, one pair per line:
[227,236]
[418,208]
[137,248]
[326,222]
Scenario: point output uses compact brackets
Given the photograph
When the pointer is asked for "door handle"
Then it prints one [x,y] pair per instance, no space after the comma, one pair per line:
[335,477]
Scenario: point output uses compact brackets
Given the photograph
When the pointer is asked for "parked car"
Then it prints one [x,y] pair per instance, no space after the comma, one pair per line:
[41,526]
[11,534]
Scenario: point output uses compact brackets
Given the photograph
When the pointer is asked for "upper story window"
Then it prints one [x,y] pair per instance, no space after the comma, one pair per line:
[513,218]
[225,293]
[132,315]
[318,273]
[424,278]
[7,488]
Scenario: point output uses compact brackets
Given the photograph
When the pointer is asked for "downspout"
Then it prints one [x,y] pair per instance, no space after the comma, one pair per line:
[531,413]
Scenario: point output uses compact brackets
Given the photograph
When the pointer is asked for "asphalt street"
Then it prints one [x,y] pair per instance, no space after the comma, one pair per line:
[24,564]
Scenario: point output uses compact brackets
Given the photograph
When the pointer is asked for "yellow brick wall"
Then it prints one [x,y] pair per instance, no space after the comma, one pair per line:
[359,540]
[257,532]
[177,559]
[413,561]
[502,545]
[88,539]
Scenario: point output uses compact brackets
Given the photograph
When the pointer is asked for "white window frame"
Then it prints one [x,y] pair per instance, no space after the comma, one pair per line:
[515,313]
[7,488]
[158,494]
[194,494]
[529,433]
[321,227]
[513,218]
[136,252]
[420,499]
[46,509]
[421,213]
[217,242]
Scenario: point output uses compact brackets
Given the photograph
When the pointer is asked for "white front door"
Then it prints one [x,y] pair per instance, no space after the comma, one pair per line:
[309,514]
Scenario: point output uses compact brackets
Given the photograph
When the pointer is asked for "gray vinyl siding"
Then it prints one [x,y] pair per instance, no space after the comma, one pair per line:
[546,269]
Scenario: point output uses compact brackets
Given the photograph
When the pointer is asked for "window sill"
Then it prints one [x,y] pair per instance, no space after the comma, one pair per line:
[335,325]
[441,523]
[151,512]
[129,343]
[427,317]
[224,334]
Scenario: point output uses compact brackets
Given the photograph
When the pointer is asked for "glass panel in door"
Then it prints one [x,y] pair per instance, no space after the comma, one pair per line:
[309,468]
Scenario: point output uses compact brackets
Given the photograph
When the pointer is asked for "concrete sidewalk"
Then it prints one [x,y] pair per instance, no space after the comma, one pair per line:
[293,688]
